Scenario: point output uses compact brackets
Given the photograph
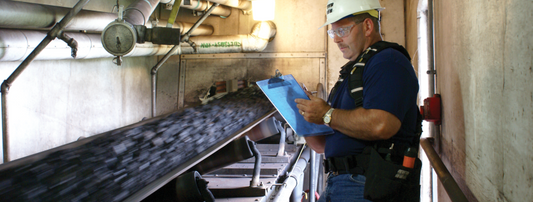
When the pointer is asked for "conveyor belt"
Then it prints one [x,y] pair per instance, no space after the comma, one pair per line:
[129,163]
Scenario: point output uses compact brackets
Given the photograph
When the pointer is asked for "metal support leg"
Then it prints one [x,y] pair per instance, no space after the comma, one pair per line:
[257,166]
[283,133]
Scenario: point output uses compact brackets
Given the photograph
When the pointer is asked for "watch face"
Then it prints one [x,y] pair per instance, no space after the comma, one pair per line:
[327,119]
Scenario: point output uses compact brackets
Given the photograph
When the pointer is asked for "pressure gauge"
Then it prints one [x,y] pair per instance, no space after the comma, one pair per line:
[119,37]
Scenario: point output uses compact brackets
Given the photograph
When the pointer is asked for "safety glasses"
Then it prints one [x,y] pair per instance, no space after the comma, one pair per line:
[341,31]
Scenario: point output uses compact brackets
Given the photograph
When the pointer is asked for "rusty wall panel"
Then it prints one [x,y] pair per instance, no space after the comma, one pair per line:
[202,73]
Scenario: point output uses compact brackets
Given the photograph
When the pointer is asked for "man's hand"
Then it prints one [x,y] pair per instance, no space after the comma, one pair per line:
[312,110]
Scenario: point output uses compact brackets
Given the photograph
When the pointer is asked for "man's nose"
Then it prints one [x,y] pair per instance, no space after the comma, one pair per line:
[337,39]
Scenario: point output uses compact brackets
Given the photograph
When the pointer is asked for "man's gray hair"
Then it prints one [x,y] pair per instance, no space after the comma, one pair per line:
[361,17]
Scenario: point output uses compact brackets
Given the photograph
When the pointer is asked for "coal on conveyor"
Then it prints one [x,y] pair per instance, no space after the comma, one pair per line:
[119,163]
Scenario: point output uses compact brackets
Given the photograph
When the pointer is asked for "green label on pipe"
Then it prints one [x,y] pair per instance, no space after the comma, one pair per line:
[221,44]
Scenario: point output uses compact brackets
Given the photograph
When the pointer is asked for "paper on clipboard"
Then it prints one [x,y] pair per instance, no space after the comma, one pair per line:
[281,91]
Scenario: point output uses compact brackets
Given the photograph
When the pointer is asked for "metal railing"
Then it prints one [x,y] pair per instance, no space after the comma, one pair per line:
[451,187]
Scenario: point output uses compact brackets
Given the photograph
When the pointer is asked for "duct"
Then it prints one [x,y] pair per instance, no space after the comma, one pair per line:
[256,41]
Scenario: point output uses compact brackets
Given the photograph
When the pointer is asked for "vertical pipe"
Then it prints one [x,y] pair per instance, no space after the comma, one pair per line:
[5,137]
[52,34]
[154,93]
[433,129]
[431,48]
[165,58]
[312,177]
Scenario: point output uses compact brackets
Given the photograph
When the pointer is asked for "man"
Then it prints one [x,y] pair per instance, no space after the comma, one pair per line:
[388,113]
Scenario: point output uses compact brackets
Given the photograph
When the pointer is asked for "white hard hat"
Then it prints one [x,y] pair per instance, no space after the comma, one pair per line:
[338,9]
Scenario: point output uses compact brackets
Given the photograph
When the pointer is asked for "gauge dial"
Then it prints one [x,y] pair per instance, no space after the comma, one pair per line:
[119,38]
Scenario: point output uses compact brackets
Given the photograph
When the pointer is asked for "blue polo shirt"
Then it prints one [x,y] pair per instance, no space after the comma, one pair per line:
[389,84]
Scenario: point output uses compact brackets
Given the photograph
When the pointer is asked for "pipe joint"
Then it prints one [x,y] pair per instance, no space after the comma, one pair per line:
[71,42]
[5,87]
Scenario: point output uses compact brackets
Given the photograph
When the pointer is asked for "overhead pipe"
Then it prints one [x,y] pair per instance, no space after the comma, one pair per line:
[245,5]
[55,32]
[15,14]
[171,52]
[223,11]
[139,11]
[198,5]
[256,41]
[17,44]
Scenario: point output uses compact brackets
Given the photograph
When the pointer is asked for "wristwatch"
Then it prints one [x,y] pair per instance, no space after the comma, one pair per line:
[327,116]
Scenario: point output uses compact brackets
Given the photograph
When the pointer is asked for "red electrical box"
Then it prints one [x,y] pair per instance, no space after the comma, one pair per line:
[431,111]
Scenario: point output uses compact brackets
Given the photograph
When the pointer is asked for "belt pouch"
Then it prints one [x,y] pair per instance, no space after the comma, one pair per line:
[387,181]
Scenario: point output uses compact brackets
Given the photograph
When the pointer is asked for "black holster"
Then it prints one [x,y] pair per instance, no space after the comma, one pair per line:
[388,181]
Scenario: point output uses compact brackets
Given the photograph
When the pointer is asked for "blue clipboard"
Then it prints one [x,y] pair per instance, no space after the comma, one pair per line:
[281,91]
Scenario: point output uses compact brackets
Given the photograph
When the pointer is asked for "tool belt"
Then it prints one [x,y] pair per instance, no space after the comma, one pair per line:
[346,165]
[386,180]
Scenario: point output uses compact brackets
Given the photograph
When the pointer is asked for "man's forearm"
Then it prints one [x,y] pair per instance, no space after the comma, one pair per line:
[365,124]
[317,143]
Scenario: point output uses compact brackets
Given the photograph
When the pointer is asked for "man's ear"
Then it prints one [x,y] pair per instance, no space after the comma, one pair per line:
[368,27]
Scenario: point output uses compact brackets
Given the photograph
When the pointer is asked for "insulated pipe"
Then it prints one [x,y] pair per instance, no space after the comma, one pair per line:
[17,44]
[56,31]
[204,5]
[15,14]
[196,5]
[138,12]
[240,4]
[262,33]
